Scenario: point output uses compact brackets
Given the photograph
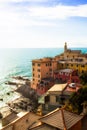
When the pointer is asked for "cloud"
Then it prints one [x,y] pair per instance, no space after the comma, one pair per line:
[37,24]
[16,16]
[59,11]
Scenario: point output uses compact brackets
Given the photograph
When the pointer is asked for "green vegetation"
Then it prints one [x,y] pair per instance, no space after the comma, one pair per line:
[76,101]
[83,78]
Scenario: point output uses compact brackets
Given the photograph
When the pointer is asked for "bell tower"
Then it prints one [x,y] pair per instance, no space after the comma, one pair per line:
[65,47]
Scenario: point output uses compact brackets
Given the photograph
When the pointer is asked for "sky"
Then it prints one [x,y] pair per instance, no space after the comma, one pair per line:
[43,23]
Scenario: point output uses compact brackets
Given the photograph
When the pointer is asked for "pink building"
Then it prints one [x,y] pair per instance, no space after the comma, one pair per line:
[67,75]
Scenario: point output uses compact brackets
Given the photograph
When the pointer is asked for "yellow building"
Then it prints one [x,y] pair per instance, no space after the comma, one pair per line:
[73,59]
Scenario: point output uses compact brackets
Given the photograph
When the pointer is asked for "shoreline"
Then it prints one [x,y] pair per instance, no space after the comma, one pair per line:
[22,102]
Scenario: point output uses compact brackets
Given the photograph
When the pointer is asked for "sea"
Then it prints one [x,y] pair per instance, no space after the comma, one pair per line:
[18,62]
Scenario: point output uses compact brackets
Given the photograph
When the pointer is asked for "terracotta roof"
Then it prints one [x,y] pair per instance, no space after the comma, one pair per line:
[74,51]
[61,119]
[45,59]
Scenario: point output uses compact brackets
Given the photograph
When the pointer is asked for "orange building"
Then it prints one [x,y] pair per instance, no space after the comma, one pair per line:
[42,68]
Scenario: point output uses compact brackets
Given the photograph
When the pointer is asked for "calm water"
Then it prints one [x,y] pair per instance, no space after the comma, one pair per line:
[15,62]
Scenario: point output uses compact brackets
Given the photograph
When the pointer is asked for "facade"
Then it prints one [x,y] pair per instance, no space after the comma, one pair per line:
[42,68]
[73,59]
[65,75]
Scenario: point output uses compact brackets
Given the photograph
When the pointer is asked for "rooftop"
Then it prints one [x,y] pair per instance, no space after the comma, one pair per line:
[45,59]
[57,87]
[61,119]
[72,87]
[66,70]
[74,51]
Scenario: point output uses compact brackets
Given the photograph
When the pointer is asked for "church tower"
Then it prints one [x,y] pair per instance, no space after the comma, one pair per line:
[65,47]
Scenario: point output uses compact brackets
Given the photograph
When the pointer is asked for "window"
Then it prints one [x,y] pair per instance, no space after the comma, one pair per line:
[50,69]
[83,66]
[38,64]
[38,76]
[62,65]
[82,71]
[46,73]
[38,70]
[57,98]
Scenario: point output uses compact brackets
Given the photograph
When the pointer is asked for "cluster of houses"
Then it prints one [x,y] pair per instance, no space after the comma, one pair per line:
[54,80]
[63,68]
[58,119]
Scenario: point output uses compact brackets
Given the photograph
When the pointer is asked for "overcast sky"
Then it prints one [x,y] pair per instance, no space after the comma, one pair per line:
[43,23]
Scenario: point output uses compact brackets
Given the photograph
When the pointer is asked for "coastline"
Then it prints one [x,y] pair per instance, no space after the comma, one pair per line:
[21,101]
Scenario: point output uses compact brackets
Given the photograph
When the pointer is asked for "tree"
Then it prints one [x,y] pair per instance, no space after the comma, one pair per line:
[83,78]
[76,100]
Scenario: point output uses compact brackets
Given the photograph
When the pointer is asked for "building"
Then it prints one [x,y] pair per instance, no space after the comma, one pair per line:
[42,68]
[59,119]
[56,96]
[20,121]
[46,68]
[44,85]
[72,59]
[65,75]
